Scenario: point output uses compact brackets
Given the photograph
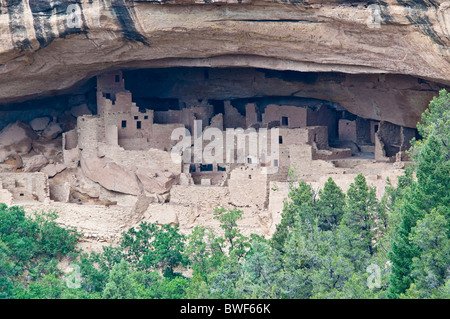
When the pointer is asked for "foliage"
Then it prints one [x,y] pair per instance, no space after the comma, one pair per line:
[427,193]
[361,212]
[301,200]
[330,205]
[329,244]
[120,284]
[30,248]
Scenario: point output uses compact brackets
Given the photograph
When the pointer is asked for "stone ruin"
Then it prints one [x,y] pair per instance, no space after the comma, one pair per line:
[119,157]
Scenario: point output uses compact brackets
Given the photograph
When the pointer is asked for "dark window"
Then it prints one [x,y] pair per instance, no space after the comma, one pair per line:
[192,168]
[146,117]
[124,124]
[280,139]
[221,169]
[284,121]
[138,125]
[117,78]
[218,106]
[275,163]
[249,160]
[136,117]
[206,168]
[259,117]
[375,128]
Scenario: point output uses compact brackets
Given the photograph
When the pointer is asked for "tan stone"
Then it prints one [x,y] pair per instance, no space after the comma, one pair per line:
[15,160]
[6,197]
[110,175]
[80,182]
[35,163]
[26,187]
[16,138]
[53,169]
[166,214]
[80,110]
[49,148]
[39,123]
[60,193]
[51,131]
[155,182]
[248,187]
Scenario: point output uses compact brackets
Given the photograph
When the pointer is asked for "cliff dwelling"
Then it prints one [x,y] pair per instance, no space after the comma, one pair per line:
[122,118]
[109,143]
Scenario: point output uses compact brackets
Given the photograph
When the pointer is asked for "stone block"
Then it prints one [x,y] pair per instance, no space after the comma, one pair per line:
[35,163]
[39,123]
[51,131]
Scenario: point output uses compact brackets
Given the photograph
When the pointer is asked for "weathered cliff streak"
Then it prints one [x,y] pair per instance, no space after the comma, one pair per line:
[47,46]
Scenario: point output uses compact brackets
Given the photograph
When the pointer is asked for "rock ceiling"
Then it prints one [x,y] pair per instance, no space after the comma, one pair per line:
[48,47]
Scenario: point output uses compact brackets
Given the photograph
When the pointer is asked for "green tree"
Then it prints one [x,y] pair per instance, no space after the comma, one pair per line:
[30,248]
[330,205]
[436,121]
[392,201]
[152,247]
[361,212]
[7,272]
[169,250]
[431,268]
[198,252]
[237,243]
[49,287]
[431,157]
[95,268]
[301,201]
[259,271]
[120,284]
[217,260]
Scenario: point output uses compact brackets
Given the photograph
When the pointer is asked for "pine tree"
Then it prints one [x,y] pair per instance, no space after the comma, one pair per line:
[360,212]
[330,205]
[301,203]
[430,268]
[431,157]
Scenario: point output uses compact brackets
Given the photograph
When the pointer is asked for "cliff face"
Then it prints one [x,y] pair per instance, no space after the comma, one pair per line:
[47,47]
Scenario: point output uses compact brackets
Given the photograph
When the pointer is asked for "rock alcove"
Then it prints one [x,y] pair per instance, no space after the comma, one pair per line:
[351,106]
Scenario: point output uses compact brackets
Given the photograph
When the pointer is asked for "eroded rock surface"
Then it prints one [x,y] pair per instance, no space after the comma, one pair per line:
[35,163]
[110,175]
[127,180]
[50,46]
[16,138]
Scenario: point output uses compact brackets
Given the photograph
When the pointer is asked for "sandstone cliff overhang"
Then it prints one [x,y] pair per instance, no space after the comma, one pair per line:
[47,47]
